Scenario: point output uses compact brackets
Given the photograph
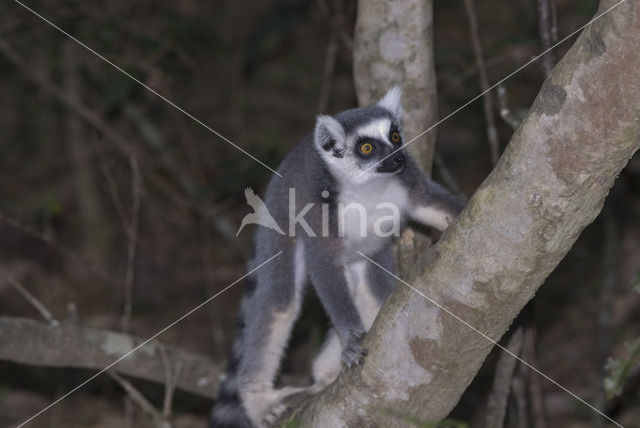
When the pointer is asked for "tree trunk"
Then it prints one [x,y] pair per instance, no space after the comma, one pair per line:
[549,185]
[393,45]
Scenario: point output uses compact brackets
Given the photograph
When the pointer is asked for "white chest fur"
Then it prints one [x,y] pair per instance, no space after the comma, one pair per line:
[371,213]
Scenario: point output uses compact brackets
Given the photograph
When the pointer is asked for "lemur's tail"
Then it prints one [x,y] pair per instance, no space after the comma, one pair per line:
[228,411]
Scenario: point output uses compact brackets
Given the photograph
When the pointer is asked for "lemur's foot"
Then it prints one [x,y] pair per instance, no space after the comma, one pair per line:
[353,353]
[275,413]
[278,410]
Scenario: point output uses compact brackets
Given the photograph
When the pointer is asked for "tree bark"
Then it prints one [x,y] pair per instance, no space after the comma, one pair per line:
[393,45]
[550,183]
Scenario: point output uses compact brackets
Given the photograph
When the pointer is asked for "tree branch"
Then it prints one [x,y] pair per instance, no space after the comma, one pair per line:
[548,32]
[549,185]
[144,404]
[41,308]
[487,98]
[118,140]
[132,242]
[499,397]
[69,345]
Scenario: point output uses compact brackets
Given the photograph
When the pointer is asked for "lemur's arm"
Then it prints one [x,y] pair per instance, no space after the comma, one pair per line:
[430,203]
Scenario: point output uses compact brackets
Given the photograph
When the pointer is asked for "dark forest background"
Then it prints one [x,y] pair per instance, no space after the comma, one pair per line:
[105,188]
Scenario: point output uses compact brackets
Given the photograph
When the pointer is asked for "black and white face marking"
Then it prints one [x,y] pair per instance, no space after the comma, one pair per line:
[355,144]
[374,142]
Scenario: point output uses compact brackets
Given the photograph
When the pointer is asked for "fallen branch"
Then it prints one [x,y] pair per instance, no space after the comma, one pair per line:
[69,345]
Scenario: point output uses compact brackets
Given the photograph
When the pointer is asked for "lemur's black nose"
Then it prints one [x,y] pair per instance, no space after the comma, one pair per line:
[393,163]
[398,159]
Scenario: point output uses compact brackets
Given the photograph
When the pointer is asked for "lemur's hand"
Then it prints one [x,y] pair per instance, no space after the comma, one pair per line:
[353,353]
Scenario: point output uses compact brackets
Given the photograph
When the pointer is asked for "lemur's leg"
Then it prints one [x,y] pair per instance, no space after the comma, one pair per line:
[328,363]
[370,286]
[327,274]
[381,284]
[366,302]
[269,318]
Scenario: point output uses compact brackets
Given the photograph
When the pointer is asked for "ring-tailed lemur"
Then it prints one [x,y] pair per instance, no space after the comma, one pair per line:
[338,173]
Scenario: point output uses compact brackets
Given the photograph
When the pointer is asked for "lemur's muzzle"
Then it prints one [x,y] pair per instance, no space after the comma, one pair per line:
[393,163]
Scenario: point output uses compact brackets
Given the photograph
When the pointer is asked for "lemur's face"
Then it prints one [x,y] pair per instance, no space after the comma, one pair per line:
[376,147]
[365,143]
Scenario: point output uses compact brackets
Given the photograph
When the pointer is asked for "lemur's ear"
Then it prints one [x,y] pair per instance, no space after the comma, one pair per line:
[392,101]
[329,136]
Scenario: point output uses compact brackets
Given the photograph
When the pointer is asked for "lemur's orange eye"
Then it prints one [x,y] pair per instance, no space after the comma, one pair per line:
[366,148]
[395,137]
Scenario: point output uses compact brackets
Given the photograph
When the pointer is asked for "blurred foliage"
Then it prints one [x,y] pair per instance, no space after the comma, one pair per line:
[619,369]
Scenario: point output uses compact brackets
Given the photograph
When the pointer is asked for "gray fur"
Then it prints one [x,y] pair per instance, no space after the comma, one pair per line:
[350,288]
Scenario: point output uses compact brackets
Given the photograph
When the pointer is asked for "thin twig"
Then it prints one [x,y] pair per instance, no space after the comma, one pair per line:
[554,21]
[128,412]
[610,257]
[327,75]
[535,387]
[168,385]
[65,251]
[487,99]
[520,396]
[546,21]
[110,133]
[132,234]
[458,81]
[130,227]
[40,307]
[502,381]
[337,20]
[112,188]
[171,379]
[137,397]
